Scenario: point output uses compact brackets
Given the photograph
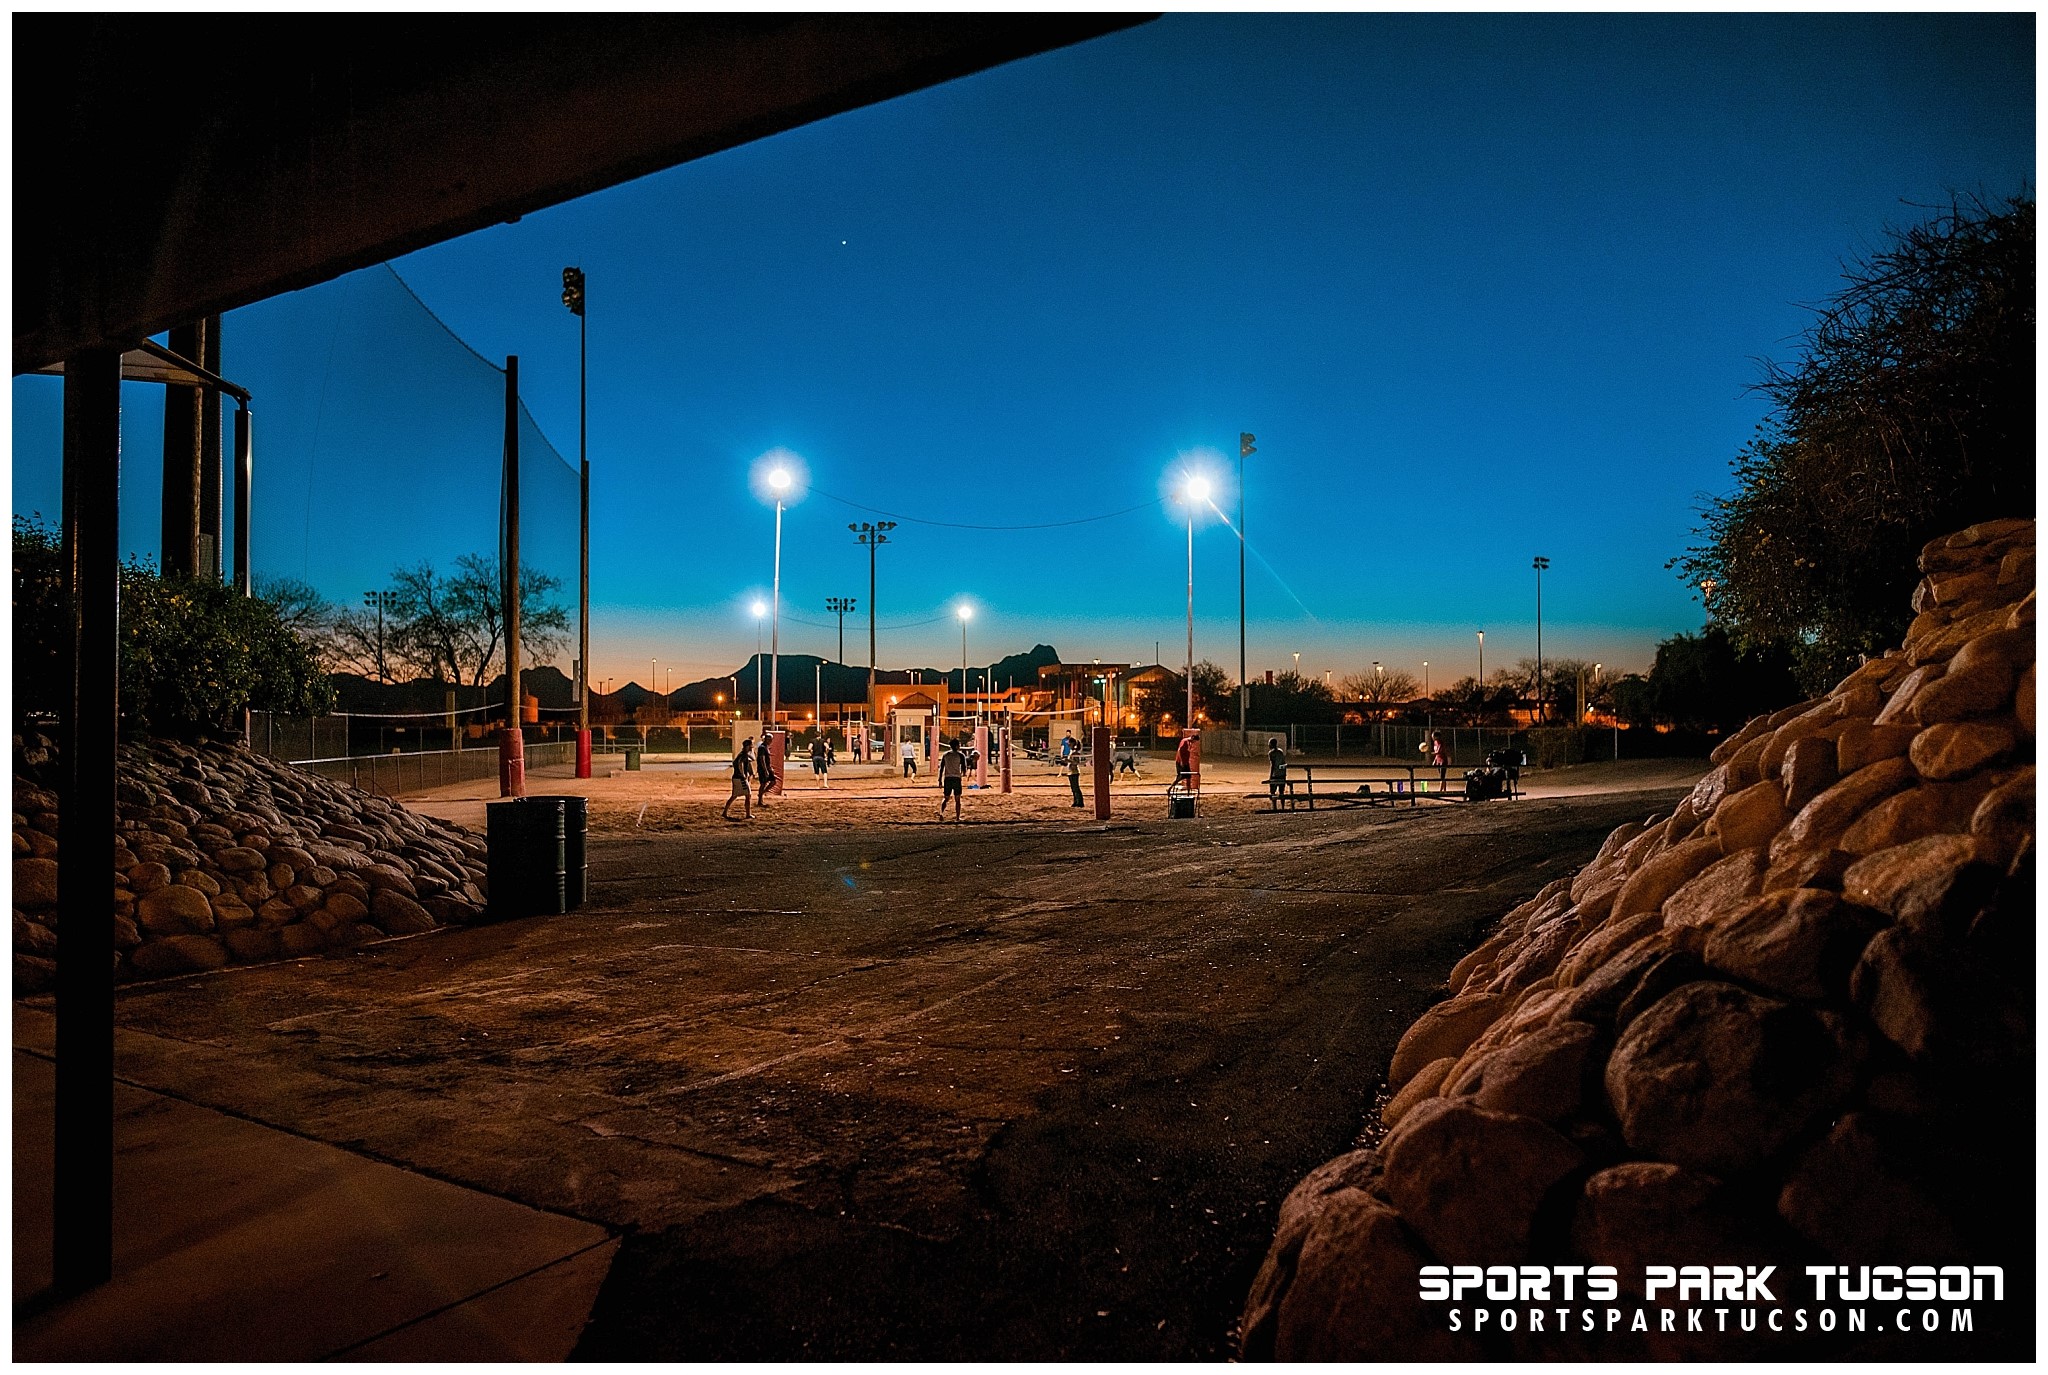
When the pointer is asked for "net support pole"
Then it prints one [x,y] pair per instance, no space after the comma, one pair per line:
[583,567]
[245,474]
[512,743]
[178,554]
[83,1201]
[208,358]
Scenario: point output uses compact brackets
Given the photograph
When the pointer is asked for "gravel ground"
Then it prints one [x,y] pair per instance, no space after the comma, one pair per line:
[856,1083]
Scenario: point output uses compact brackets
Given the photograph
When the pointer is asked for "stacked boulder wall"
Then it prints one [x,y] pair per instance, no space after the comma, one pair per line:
[221,855]
[1789,1024]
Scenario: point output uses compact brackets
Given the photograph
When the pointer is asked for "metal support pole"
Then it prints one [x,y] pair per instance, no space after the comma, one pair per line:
[245,475]
[208,358]
[511,611]
[512,744]
[178,555]
[583,573]
[83,1212]
[1189,723]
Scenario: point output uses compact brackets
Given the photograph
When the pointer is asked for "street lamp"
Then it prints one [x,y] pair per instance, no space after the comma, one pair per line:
[760,609]
[1197,491]
[1245,449]
[1482,665]
[778,482]
[966,615]
[1539,564]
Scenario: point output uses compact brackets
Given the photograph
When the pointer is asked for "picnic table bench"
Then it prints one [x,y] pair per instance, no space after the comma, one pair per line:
[1374,785]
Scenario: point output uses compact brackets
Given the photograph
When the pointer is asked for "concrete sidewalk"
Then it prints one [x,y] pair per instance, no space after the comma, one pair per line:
[236,1241]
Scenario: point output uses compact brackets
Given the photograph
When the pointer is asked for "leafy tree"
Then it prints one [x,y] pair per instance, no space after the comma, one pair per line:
[193,652]
[1707,682]
[1291,699]
[1166,699]
[1910,414]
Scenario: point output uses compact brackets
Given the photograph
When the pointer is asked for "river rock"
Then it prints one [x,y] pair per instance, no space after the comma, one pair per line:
[398,914]
[1446,1029]
[1338,1283]
[1820,821]
[1469,1181]
[1856,1200]
[1542,1075]
[35,884]
[1940,879]
[1951,749]
[1717,888]
[185,954]
[1646,1212]
[174,909]
[1716,1078]
[1799,942]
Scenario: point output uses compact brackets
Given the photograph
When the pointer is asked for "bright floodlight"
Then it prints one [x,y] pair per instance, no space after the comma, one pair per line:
[760,609]
[779,479]
[1198,488]
[966,613]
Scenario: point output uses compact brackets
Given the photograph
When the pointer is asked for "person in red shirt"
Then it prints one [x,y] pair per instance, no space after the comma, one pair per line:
[1184,763]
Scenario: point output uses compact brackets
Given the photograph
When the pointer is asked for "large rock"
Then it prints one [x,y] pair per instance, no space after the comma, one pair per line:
[1717,889]
[1799,942]
[1822,820]
[1541,1075]
[1860,745]
[1950,749]
[1646,1212]
[1664,875]
[1938,880]
[1856,1200]
[1470,1182]
[177,955]
[1340,1280]
[1751,817]
[1717,1078]
[174,910]
[1446,1029]
[397,914]
[35,884]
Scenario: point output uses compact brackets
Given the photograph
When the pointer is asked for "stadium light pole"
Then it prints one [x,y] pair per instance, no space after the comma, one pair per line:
[381,600]
[1196,492]
[1540,563]
[839,606]
[874,534]
[573,297]
[778,480]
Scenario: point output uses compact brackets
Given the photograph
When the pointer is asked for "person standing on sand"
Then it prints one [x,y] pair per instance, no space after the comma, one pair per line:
[764,769]
[1184,763]
[1438,757]
[742,781]
[909,759]
[1074,776]
[952,778]
[821,762]
[1276,771]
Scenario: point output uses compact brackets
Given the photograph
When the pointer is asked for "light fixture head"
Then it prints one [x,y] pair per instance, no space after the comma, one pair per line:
[1198,488]
[759,609]
[779,479]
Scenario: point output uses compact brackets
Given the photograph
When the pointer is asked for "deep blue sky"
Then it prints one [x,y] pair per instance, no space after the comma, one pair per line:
[1484,286]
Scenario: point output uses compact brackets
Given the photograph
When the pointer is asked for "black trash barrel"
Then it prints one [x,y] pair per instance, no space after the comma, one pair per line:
[524,842]
[575,831]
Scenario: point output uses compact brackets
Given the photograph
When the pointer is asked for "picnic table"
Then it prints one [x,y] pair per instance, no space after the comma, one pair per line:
[1374,785]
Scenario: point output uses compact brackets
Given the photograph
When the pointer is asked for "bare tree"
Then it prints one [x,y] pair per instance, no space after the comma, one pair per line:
[1382,691]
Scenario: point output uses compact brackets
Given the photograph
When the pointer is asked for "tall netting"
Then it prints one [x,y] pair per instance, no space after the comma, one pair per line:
[379,443]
